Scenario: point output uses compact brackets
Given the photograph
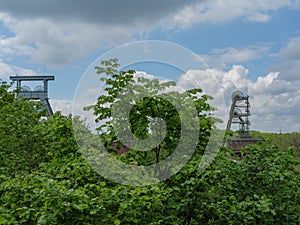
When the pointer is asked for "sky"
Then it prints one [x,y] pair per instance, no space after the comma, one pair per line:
[247,45]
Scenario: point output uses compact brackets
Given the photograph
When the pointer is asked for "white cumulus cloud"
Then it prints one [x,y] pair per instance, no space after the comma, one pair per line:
[7,69]
[275,103]
[220,11]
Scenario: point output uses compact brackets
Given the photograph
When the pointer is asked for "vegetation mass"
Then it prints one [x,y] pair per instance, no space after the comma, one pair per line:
[44,179]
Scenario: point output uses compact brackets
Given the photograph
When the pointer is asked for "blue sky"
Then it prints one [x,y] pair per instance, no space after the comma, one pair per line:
[256,43]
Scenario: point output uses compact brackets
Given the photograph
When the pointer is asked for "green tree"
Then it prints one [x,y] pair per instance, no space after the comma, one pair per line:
[140,101]
[20,142]
[282,140]
[45,180]
[261,189]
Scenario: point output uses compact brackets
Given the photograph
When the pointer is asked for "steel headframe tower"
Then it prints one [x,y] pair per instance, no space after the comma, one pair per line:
[239,114]
[40,92]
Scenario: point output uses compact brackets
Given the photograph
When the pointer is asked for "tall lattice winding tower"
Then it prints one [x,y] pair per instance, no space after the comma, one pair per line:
[239,114]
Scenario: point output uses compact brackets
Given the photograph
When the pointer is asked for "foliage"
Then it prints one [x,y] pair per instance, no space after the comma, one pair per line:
[261,189]
[45,180]
[144,100]
[281,140]
[19,131]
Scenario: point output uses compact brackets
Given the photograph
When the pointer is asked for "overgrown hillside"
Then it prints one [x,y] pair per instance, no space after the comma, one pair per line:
[282,140]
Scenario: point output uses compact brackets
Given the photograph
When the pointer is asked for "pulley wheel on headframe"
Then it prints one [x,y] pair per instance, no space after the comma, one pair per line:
[237,96]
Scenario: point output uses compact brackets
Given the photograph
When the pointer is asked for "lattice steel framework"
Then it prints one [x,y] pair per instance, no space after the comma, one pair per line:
[239,113]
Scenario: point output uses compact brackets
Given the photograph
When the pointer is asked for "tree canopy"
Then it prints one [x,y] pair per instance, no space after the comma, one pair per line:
[45,179]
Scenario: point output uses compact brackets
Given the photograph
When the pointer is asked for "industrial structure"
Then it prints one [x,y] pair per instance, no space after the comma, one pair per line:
[239,114]
[40,92]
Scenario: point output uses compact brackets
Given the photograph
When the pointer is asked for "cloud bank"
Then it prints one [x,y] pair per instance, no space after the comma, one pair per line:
[62,32]
[275,103]
[59,33]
